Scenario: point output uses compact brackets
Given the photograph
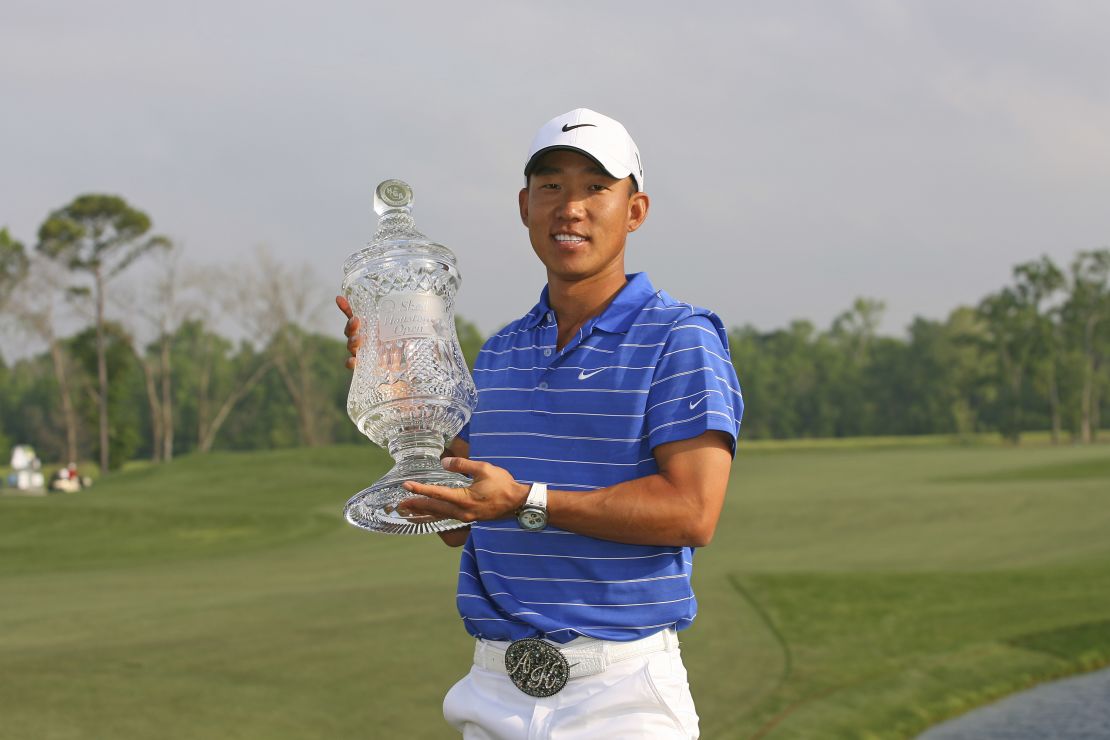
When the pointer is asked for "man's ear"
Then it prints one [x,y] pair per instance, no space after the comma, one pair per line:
[523,198]
[638,206]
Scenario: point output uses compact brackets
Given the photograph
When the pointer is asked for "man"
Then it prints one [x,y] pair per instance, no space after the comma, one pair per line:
[600,450]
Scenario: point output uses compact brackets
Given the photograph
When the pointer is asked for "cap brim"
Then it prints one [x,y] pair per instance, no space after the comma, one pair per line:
[611,169]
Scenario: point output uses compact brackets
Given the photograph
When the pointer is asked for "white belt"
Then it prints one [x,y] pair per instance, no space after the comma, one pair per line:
[586,656]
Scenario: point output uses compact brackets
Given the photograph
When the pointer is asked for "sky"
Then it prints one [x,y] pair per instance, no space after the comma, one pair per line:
[798,154]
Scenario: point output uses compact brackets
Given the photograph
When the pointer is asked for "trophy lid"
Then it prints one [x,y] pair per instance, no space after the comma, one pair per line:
[393,200]
[392,195]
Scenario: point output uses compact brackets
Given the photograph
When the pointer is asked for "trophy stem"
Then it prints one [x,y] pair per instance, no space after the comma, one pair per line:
[416,443]
[417,455]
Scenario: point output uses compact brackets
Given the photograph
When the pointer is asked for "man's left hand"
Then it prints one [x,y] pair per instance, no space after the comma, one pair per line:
[494,494]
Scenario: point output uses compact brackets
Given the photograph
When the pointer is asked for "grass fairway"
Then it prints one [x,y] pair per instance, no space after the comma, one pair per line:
[851,592]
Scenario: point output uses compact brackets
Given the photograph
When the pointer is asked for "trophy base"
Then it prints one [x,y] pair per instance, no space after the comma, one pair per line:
[375,508]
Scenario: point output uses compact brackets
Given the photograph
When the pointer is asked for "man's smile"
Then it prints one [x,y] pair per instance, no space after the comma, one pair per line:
[570,242]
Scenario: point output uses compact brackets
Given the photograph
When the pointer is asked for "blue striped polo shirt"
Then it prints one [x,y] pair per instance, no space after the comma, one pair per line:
[647,370]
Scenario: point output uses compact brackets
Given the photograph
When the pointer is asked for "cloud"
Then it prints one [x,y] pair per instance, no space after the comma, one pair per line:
[799,154]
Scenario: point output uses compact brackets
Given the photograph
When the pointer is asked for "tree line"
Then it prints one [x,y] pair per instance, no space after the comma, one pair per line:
[1031,355]
[151,375]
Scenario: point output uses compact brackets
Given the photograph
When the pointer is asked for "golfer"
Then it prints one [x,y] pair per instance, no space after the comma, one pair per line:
[600,450]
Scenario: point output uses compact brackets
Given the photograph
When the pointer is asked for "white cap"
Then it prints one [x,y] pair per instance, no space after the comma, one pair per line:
[599,137]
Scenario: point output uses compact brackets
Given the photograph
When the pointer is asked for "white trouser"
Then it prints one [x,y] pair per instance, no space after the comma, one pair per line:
[643,696]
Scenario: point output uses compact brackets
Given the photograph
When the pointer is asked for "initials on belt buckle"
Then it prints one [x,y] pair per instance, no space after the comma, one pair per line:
[536,668]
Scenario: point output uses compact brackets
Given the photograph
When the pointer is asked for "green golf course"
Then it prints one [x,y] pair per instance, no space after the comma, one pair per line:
[861,590]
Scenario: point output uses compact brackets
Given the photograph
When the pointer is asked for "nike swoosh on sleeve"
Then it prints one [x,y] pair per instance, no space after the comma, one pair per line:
[584,375]
[694,404]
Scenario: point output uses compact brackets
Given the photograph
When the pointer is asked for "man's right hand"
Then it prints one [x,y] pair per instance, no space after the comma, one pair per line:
[351,330]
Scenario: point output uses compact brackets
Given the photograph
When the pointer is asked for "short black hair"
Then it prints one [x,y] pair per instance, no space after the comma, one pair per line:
[631,181]
[535,160]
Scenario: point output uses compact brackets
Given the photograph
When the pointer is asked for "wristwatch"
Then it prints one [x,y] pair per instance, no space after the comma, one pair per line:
[533,515]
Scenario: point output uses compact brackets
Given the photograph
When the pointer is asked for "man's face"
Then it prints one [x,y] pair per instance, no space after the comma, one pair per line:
[578,216]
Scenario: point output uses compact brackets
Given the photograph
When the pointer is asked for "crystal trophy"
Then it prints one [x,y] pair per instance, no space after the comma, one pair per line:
[411,391]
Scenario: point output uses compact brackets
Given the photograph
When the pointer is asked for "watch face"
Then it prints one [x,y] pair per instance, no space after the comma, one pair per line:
[532,519]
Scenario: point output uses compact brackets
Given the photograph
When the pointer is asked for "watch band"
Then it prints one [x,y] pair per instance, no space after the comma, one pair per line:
[537,496]
[533,515]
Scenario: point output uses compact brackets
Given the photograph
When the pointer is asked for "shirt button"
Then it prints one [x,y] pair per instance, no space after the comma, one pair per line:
[543,386]
[547,352]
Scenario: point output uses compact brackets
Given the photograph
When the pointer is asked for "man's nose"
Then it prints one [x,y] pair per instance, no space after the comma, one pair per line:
[572,207]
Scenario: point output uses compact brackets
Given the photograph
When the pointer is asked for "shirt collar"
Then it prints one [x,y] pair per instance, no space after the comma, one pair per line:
[617,316]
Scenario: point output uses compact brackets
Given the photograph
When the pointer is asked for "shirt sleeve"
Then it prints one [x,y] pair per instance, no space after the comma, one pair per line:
[694,388]
[464,433]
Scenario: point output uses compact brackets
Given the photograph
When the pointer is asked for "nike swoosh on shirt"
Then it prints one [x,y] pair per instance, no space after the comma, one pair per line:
[694,404]
[583,375]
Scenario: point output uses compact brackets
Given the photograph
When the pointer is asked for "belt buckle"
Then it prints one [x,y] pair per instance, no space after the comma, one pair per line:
[536,668]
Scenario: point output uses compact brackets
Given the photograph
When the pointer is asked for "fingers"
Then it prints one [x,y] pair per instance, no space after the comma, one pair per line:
[473,468]
[432,505]
[429,507]
[492,495]
[354,339]
[456,496]
[351,327]
[344,305]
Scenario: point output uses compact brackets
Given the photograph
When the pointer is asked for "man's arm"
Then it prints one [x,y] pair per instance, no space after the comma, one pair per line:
[679,505]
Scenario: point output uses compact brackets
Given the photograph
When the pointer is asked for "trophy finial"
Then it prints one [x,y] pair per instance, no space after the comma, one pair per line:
[392,195]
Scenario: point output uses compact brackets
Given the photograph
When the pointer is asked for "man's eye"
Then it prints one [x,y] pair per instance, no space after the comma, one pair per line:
[549,186]
[599,187]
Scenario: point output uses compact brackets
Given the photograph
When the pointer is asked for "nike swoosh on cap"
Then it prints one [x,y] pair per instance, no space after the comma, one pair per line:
[583,375]
[568,127]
